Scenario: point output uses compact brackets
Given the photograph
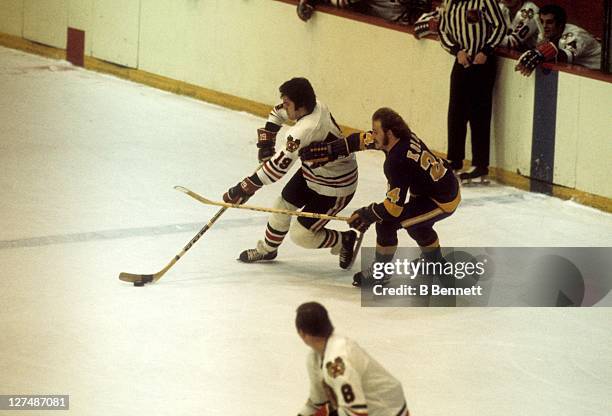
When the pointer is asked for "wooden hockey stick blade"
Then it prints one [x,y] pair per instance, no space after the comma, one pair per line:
[152,278]
[207,201]
[356,250]
[131,277]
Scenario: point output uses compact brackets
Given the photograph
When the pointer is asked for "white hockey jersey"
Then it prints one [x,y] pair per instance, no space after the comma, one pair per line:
[355,383]
[580,47]
[523,28]
[335,179]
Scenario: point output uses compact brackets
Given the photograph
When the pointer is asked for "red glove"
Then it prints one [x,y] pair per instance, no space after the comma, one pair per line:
[326,410]
[266,140]
[548,50]
[241,193]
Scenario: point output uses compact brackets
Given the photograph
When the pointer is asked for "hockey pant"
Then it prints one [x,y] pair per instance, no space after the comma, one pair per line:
[418,217]
[305,232]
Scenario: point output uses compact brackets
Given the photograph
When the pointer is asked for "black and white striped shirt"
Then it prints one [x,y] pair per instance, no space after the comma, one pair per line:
[471,25]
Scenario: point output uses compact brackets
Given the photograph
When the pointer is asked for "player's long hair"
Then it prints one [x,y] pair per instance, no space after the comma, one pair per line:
[300,92]
[312,319]
[390,120]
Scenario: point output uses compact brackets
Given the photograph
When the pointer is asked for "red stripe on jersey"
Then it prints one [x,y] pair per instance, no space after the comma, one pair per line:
[333,178]
[318,225]
[338,206]
[333,239]
[271,174]
[278,169]
[317,179]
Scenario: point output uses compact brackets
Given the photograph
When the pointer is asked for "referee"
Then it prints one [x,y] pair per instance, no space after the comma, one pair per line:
[470,30]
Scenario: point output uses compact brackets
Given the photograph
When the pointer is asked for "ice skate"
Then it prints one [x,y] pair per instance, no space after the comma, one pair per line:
[477,176]
[429,265]
[252,255]
[367,277]
[347,251]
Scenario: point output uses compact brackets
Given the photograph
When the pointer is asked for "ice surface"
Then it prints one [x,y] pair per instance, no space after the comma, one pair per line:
[88,163]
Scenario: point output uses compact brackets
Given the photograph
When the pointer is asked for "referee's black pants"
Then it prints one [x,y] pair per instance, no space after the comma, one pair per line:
[471,91]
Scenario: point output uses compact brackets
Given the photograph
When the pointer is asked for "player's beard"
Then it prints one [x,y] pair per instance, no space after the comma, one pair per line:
[385,141]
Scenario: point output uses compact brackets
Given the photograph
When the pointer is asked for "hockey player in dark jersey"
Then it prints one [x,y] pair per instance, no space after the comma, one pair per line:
[422,188]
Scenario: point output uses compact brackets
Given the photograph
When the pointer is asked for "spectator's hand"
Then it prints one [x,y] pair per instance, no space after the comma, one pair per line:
[523,70]
[305,10]
[528,61]
[463,58]
[545,51]
[480,59]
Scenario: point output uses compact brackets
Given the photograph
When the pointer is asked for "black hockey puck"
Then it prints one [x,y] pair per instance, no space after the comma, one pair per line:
[139,284]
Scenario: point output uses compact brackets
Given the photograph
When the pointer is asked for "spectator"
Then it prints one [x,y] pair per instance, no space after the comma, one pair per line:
[562,42]
[397,11]
[523,28]
[470,30]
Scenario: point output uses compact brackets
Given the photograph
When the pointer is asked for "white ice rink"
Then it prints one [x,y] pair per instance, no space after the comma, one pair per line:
[88,163]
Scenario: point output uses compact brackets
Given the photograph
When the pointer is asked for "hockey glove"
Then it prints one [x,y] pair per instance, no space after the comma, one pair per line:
[530,59]
[326,410]
[427,24]
[241,193]
[305,9]
[266,140]
[363,218]
[320,153]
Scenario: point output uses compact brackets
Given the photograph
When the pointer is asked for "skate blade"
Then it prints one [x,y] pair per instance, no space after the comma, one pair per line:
[482,181]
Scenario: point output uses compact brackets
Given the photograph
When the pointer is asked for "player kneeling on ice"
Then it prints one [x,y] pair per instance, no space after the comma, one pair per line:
[313,188]
[409,166]
[344,379]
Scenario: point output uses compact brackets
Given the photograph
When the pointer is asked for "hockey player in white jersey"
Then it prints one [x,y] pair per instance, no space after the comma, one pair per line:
[561,42]
[344,379]
[320,189]
[522,25]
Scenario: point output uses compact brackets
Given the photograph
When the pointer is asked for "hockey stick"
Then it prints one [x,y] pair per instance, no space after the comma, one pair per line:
[356,249]
[206,201]
[148,278]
